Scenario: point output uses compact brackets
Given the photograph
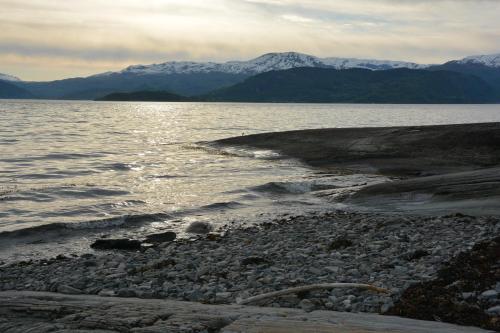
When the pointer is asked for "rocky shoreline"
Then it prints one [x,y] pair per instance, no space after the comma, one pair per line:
[389,251]
[446,262]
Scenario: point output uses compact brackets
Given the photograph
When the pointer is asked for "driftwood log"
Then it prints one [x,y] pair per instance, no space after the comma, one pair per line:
[312,287]
[25,311]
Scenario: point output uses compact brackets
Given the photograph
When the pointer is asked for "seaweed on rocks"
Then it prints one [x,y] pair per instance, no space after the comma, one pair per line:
[463,292]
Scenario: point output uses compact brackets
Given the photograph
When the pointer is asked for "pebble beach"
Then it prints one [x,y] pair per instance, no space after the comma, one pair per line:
[222,267]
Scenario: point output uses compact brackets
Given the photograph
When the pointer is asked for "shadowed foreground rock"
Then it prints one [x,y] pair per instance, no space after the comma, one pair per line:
[49,312]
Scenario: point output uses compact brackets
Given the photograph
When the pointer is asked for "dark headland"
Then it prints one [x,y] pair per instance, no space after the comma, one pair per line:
[429,236]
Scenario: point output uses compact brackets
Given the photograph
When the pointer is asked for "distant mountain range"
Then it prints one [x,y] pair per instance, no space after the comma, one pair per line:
[203,78]
[356,85]
[329,85]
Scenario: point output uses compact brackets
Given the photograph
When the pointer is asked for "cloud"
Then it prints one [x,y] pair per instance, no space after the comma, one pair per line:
[297,18]
[102,34]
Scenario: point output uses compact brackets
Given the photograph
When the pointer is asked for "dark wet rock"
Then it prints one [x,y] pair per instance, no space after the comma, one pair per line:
[442,298]
[87,256]
[340,243]
[489,294]
[163,237]
[307,305]
[199,227]
[494,311]
[213,237]
[116,244]
[415,255]
[254,261]
[90,263]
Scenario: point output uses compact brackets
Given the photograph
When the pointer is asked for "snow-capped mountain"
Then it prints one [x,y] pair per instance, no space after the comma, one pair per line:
[345,63]
[490,60]
[265,63]
[6,77]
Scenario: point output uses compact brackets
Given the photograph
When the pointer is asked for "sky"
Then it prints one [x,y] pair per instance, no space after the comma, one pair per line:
[53,39]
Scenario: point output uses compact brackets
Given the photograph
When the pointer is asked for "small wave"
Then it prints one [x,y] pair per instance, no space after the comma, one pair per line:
[90,192]
[292,187]
[51,193]
[223,205]
[166,176]
[70,156]
[54,156]
[120,166]
[55,175]
[236,152]
[8,141]
[127,220]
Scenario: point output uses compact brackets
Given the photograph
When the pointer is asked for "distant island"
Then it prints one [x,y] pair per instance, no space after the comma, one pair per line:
[327,85]
[145,96]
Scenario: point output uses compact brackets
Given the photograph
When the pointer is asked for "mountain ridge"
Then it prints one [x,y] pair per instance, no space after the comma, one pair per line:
[488,60]
[356,85]
[264,63]
[10,78]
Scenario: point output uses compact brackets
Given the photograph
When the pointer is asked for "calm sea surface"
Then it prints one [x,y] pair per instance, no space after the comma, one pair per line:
[73,171]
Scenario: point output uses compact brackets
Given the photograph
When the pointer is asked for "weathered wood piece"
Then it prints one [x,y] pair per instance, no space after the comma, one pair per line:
[49,312]
[312,287]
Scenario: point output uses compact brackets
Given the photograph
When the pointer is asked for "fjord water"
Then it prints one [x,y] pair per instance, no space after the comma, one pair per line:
[73,171]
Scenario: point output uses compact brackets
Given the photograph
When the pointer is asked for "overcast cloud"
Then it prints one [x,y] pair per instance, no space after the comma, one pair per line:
[49,39]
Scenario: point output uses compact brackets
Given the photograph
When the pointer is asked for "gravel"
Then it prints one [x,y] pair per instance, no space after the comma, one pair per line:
[389,251]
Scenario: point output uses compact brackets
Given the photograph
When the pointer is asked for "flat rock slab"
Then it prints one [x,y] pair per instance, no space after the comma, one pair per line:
[447,168]
[476,192]
[404,151]
[23,311]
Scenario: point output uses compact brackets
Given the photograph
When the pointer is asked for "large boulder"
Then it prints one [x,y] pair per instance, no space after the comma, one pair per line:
[117,244]
[163,237]
[199,227]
